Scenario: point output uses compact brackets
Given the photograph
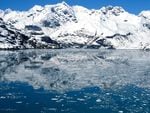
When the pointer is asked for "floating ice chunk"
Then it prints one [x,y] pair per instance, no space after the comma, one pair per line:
[98,100]
[120,112]
[19,102]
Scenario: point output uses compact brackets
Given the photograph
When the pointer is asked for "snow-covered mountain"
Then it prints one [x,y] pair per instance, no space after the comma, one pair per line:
[61,26]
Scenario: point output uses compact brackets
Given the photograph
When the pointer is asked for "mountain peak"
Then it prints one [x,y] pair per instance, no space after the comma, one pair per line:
[64,3]
[36,8]
[145,14]
[7,11]
[115,10]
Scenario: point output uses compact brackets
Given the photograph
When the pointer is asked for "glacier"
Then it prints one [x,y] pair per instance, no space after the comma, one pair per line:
[64,26]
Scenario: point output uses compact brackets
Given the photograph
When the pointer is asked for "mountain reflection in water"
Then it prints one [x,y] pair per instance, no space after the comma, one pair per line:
[74,81]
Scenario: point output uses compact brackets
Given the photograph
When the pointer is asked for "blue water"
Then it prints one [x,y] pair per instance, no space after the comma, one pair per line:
[75,81]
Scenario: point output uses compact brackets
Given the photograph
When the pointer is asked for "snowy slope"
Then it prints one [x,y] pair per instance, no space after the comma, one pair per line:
[11,38]
[75,26]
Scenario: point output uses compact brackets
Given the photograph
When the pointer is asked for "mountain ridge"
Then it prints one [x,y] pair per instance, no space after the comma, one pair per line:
[63,26]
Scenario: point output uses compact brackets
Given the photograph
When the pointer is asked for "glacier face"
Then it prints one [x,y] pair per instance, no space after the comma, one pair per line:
[61,26]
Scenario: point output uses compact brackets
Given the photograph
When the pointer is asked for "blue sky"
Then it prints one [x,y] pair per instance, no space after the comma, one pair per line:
[132,6]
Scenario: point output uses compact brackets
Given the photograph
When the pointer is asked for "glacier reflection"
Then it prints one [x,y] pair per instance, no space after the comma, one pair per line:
[68,70]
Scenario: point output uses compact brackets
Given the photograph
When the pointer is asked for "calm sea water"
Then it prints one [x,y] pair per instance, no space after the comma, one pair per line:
[75,81]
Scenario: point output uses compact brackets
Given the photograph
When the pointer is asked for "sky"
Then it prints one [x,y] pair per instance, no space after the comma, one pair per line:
[132,6]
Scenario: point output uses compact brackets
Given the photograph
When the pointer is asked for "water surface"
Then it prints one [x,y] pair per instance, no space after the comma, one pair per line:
[75,81]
